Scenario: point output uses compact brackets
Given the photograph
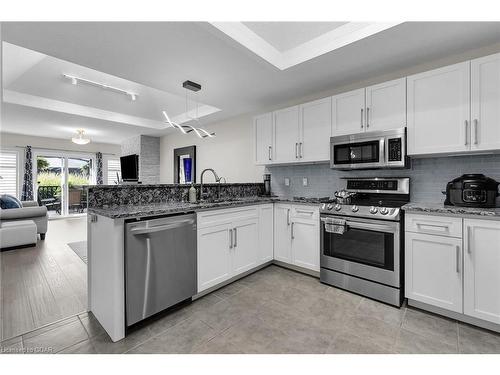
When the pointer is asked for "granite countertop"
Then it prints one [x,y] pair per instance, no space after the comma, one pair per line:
[440,208]
[167,208]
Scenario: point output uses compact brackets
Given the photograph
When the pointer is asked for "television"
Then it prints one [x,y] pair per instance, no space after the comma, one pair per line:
[130,167]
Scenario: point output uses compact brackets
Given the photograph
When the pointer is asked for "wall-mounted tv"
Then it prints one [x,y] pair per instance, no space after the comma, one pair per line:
[130,167]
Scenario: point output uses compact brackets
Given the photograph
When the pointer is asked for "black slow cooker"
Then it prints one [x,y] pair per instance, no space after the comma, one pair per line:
[472,190]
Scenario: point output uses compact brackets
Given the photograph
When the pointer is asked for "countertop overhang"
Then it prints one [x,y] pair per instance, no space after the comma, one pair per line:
[440,209]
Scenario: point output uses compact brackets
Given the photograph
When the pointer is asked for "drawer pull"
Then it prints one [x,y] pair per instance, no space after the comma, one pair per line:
[434,227]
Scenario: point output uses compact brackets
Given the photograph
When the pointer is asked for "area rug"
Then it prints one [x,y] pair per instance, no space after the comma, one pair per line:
[80,249]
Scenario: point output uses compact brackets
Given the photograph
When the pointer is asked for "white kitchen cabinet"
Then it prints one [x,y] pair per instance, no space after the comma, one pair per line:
[439,110]
[315,130]
[282,234]
[482,269]
[485,103]
[266,237]
[305,243]
[348,112]
[245,245]
[214,255]
[263,135]
[433,270]
[386,105]
[286,135]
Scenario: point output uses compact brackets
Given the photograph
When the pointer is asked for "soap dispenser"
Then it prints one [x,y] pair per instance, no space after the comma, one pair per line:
[192,194]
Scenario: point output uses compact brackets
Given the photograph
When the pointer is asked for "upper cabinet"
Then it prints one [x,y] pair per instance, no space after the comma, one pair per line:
[485,103]
[286,135]
[315,130]
[438,110]
[386,105]
[348,112]
[263,136]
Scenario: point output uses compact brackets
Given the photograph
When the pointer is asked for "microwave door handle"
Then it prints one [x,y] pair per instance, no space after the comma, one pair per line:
[383,159]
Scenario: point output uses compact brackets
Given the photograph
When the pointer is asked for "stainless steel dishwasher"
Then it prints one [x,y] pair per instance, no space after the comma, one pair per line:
[160,264]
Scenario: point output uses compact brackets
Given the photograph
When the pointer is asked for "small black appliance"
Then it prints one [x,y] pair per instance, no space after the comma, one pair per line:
[267,184]
[472,190]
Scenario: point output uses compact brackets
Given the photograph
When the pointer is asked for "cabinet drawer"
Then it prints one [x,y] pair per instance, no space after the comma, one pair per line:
[305,212]
[226,215]
[440,225]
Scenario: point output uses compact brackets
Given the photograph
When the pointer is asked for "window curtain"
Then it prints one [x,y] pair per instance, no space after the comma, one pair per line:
[99,179]
[27,192]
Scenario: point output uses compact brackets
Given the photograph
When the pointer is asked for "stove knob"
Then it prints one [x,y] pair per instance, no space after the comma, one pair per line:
[355,208]
[323,206]
[373,210]
[338,207]
[384,211]
[392,211]
[329,206]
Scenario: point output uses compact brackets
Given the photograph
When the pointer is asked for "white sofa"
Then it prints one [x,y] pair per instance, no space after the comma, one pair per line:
[17,233]
[30,211]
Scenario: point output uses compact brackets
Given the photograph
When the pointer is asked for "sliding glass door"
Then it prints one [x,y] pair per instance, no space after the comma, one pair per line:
[61,181]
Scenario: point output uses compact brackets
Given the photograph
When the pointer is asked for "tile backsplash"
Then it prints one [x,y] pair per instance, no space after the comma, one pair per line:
[428,176]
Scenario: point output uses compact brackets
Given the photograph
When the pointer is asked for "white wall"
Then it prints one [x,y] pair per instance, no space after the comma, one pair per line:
[230,153]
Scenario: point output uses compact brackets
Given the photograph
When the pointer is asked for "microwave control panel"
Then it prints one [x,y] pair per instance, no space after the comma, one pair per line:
[395,149]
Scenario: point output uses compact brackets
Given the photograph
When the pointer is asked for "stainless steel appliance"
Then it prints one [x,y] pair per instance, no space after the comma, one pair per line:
[472,190]
[160,264]
[362,242]
[370,150]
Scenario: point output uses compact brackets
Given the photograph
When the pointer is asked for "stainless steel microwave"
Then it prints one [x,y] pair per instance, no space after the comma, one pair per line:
[370,150]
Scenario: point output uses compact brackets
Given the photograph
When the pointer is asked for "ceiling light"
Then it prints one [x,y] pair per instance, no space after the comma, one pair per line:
[74,80]
[80,138]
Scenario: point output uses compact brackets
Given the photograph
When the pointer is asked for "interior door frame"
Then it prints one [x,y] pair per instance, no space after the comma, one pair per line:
[65,155]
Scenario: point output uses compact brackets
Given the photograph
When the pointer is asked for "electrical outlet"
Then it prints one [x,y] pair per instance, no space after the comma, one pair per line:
[304,181]
[287,181]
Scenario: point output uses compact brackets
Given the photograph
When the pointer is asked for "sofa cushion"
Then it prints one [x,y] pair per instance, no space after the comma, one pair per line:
[8,201]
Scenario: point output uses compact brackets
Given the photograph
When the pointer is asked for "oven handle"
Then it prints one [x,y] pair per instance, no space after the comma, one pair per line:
[369,226]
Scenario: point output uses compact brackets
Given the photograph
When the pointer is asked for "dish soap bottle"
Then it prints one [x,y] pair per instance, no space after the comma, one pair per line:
[192,194]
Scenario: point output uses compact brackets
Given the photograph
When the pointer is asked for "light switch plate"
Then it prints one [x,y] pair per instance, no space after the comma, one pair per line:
[287,181]
[304,181]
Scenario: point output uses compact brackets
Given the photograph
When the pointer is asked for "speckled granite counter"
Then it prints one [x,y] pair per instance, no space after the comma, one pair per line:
[168,208]
[441,209]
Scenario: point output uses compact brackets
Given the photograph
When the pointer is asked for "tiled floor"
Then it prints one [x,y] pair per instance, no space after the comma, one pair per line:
[272,311]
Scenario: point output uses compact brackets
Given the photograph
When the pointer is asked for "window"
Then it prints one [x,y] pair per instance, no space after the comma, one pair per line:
[113,170]
[8,173]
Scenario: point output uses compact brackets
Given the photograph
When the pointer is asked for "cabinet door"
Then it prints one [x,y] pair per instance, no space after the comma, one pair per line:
[266,223]
[485,115]
[214,257]
[263,136]
[305,243]
[245,245]
[316,129]
[286,135]
[386,105]
[482,269]
[433,270]
[439,110]
[282,239]
[348,112]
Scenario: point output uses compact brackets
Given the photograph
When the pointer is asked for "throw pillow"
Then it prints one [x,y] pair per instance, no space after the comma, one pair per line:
[8,201]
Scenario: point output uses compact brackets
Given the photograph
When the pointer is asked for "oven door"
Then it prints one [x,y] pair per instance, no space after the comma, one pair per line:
[369,249]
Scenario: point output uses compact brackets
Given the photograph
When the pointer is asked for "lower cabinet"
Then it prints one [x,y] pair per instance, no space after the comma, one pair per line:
[282,233]
[245,245]
[266,233]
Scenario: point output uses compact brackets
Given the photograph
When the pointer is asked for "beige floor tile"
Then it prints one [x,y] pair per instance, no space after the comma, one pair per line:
[412,343]
[430,325]
[475,340]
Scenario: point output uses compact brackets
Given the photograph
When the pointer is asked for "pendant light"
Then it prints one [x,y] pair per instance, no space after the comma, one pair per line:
[80,138]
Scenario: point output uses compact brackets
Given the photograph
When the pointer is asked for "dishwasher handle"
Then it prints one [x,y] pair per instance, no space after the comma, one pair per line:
[161,228]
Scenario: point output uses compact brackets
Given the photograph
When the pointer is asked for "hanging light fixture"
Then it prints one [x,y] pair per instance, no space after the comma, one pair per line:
[80,138]
[185,128]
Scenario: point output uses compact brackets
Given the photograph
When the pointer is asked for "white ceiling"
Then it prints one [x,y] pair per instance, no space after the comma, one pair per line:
[161,55]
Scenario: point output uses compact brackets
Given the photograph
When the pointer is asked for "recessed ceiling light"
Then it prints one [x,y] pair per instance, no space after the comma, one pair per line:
[80,138]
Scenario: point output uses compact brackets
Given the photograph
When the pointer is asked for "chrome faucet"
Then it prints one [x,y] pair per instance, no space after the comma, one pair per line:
[217,179]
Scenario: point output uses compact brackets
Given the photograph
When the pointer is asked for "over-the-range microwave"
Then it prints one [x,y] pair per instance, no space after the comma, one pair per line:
[370,150]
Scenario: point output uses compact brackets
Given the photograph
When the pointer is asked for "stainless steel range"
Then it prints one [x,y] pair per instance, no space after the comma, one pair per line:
[362,238]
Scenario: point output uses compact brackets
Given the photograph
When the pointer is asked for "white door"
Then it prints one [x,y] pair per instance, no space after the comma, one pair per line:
[433,270]
[386,105]
[316,130]
[485,101]
[214,257]
[305,244]
[286,135]
[282,239]
[263,136]
[439,110]
[482,269]
[266,223]
[348,112]
[245,245]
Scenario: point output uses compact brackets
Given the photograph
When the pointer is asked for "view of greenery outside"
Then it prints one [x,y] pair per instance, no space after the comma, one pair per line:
[77,176]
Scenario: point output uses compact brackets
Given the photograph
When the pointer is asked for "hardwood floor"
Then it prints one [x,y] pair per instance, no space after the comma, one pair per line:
[40,285]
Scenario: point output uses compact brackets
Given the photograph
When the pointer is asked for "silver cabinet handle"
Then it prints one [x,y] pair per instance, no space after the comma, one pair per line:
[458,259]
[469,235]
[475,131]
[270,151]
[288,217]
[296,150]
[466,131]
[367,117]
[300,150]
[291,232]
[235,237]
[361,118]
[230,238]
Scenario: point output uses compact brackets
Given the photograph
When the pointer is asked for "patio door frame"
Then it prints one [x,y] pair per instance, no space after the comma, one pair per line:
[65,155]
